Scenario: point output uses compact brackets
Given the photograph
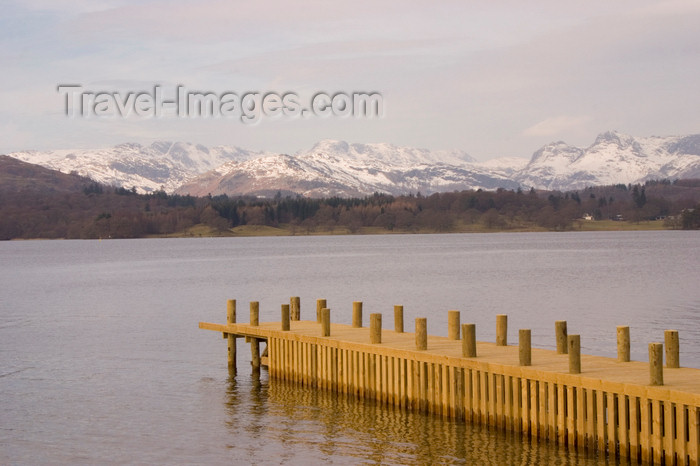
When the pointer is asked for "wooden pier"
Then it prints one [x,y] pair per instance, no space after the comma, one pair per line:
[639,411]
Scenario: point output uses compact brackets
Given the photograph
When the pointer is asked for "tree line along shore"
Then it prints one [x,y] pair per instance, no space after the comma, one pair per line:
[40,203]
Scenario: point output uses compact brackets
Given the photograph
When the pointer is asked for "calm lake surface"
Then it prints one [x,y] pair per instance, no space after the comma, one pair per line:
[102,362]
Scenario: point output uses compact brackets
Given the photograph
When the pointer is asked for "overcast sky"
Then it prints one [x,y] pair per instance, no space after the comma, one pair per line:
[496,78]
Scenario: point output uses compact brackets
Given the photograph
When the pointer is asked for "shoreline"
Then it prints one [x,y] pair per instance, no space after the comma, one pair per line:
[244,231]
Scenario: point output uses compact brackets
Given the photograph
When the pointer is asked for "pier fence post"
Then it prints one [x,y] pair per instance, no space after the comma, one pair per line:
[295,308]
[453,325]
[574,344]
[326,322]
[561,333]
[524,346]
[231,319]
[285,317]
[656,366]
[375,328]
[672,348]
[357,314]
[398,319]
[501,330]
[254,313]
[421,333]
[469,340]
[623,343]
[320,304]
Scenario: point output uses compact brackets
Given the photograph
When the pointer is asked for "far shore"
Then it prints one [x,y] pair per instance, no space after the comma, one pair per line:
[205,231]
[295,230]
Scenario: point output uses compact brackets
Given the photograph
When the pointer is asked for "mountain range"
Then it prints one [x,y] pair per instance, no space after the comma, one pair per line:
[337,168]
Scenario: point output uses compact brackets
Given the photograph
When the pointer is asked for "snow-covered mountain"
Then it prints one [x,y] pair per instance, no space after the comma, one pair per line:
[337,168]
[163,164]
[612,159]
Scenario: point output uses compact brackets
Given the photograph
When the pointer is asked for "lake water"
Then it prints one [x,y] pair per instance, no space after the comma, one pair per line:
[102,362]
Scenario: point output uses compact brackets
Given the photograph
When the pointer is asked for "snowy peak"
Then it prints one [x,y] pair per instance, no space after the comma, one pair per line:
[555,153]
[163,164]
[613,158]
[385,153]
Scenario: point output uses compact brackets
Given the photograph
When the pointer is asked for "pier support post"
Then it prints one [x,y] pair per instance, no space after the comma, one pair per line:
[320,304]
[469,340]
[421,333]
[672,348]
[398,319]
[357,314]
[231,319]
[656,367]
[524,346]
[574,344]
[285,317]
[561,333]
[326,322]
[623,343]
[295,308]
[254,342]
[453,325]
[375,328]
[501,330]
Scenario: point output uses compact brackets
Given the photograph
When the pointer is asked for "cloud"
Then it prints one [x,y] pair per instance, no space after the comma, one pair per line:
[554,126]
[467,75]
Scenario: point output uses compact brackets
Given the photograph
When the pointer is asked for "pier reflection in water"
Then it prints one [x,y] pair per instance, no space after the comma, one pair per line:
[285,423]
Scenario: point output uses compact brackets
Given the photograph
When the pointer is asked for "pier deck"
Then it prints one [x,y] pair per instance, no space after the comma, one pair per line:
[610,407]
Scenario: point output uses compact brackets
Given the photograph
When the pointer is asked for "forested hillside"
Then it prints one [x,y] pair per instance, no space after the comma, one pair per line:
[39,203]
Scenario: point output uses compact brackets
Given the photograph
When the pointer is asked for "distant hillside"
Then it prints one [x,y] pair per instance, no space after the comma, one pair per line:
[18,177]
[36,202]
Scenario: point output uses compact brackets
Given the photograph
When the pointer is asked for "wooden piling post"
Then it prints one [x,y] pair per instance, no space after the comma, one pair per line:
[231,319]
[561,333]
[398,319]
[421,333]
[254,313]
[357,314]
[285,317]
[574,347]
[623,343]
[656,367]
[326,322]
[469,340]
[375,328]
[453,325]
[524,346]
[255,353]
[672,348]
[501,330]
[295,308]
[254,342]
[320,304]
